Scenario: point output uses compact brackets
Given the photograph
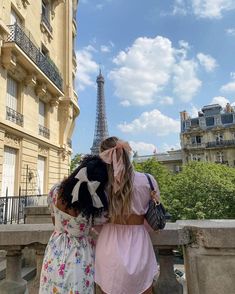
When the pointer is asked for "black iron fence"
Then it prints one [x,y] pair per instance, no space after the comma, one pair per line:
[12,207]
[43,131]
[14,116]
[25,42]
[222,143]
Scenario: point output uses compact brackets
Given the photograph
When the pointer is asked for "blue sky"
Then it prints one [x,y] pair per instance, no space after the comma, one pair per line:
[158,58]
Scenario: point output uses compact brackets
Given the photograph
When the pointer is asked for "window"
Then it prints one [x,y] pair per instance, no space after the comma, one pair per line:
[219,138]
[194,122]
[45,9]
[44,50]
[210,121]
[9,171]
[41,174]
[227,118]
[197,140]
[15,18]
[42,120]
[42,113]
[12,104]
[12,93]
[220,157]
[196,157]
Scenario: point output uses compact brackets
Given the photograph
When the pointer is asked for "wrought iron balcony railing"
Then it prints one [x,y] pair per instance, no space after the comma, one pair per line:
[14,116]
[222,143]
[46,21]
[24,41]
[43,131]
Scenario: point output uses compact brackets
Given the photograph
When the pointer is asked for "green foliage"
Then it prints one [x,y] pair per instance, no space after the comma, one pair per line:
[75,161]
[201,191]
[163,176]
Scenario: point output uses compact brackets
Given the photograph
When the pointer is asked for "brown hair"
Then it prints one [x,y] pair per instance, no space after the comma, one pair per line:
[119,202]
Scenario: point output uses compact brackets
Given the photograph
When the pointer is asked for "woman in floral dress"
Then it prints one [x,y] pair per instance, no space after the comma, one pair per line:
[76,204]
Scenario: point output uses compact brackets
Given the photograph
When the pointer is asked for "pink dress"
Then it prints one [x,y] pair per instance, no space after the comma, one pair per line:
[125,261]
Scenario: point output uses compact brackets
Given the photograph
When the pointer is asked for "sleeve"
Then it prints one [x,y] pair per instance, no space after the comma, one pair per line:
[51,198]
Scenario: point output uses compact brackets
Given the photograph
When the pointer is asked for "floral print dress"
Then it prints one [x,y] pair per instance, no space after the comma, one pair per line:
[68,265]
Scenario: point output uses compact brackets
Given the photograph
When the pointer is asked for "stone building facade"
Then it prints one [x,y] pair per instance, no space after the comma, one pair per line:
[171,159]
[210,136]
[38,103]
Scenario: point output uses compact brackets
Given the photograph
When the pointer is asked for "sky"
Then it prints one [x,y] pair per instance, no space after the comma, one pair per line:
[158,58]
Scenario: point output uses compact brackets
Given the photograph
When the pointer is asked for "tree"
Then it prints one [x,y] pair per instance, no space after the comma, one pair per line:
[75,161]
[202,191]
[163,176]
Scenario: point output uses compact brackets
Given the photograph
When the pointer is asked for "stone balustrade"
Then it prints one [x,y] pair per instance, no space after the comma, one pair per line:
[208,246]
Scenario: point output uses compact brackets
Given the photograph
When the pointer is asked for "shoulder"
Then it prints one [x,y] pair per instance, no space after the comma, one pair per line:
[52,195]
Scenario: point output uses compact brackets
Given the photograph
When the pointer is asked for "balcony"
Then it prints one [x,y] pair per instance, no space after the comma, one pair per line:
[43,131]
[14,116]
[219,144]
[195,146]
[208,247]
[21,46]
[45,20]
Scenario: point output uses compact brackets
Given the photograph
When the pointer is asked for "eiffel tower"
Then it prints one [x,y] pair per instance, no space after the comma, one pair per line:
[101,128]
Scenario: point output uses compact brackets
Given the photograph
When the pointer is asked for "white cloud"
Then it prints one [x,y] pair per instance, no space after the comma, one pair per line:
[142,70]
[229,87]
[180,7]
[107,48]
[151,122]
[231,31]
[220,100]
[212,9]
[166,100]
[146,68]
[167,147]
[208,62]
[142,148]
[86,67]
[104,48]
[193,112]
[186,84]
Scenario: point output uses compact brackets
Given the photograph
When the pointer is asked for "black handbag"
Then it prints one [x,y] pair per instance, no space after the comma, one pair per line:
[156,214]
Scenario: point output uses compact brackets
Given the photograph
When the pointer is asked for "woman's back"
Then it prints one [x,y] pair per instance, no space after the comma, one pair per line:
[125,260]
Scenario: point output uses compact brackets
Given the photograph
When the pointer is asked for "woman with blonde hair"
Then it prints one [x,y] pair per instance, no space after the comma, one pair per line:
[125,261]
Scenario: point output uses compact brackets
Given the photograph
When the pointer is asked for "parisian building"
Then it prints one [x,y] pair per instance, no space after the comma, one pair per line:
[38,102]
[210,136]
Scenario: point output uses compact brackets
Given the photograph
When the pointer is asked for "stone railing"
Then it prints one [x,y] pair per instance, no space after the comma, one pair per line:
[208,246]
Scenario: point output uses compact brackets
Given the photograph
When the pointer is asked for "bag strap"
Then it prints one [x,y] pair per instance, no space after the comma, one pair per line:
[150,182]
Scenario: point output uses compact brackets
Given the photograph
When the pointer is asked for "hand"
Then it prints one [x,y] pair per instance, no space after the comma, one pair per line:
[155,196]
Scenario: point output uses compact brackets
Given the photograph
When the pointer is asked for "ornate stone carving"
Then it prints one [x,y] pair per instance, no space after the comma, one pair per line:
[43,151]
[12,140]
[8,59]
[55,3]
[54,102]
[18,4]
[30,80]
[25,3]
[41,90]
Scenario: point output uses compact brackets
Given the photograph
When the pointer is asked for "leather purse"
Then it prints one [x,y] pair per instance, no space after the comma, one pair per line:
[156,214]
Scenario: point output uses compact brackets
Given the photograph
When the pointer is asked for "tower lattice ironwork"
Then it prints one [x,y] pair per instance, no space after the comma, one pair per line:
[101,127]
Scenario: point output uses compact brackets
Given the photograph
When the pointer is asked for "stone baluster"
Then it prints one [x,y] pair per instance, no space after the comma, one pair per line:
[35,283]
[13,283]
[166,283]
